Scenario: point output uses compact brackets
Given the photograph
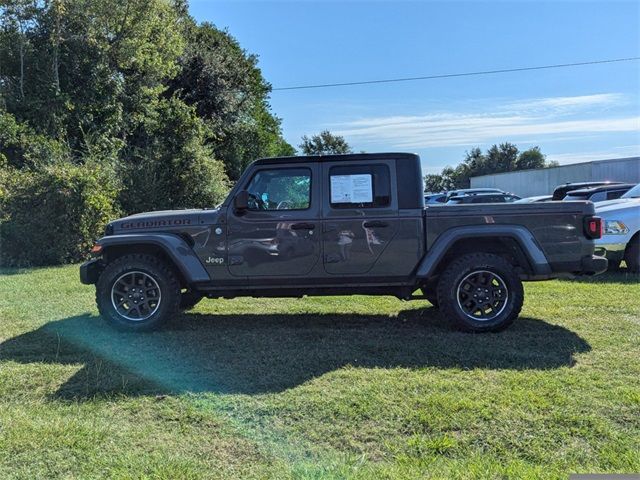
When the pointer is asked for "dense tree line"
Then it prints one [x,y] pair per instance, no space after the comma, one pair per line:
[499,158]
[123,106]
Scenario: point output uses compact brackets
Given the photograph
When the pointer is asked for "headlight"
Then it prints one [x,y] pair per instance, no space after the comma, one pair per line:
[615,227]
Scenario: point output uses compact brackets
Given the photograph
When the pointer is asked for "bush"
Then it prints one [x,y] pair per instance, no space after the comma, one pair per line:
[21,147]
[52,215]
[167,165]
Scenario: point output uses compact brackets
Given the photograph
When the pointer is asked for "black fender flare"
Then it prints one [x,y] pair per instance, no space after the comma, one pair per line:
[525,239]
[174,246]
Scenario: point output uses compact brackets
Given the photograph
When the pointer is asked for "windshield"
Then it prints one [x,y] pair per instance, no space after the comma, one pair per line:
[633,193]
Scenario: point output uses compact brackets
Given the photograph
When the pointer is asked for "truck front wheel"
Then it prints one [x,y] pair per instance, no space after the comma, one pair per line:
[137,292]
[632,255]
[480,292]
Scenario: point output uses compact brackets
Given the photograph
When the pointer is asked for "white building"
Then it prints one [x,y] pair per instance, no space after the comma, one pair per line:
[527,183]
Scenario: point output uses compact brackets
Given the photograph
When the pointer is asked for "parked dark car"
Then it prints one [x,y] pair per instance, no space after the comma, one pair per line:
[600,193]
[561,191]
[339,225]
[484,198]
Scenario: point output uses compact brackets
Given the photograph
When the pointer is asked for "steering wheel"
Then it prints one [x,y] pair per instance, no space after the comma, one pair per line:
[284,205]
[257,201]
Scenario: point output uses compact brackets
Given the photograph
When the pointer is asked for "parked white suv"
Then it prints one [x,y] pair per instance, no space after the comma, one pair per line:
[621,236]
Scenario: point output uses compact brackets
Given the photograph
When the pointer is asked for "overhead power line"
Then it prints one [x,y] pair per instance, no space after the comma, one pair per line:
[462,74]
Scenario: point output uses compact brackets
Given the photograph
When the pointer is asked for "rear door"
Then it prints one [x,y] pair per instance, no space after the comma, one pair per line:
[360,214]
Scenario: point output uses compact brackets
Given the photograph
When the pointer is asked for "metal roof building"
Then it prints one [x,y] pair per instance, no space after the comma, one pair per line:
[527,183]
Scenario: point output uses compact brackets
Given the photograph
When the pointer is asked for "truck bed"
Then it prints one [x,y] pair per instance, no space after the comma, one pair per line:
[557,227]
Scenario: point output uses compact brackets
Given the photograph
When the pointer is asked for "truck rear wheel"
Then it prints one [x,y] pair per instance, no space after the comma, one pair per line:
[480,292]
[137,293]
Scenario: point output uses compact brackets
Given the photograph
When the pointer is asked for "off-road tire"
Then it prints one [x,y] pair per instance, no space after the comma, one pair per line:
[456,272]
[159,271]
[189,299]
[632,255]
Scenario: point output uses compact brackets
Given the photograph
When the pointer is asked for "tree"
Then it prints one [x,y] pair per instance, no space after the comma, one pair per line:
[226,87]
[533,158]
[435,183]
[137,89]
[499,158]
[325,143]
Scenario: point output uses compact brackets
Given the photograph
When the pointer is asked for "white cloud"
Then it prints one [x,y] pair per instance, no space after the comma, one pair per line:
[534,119]
[567,103]
[616,152]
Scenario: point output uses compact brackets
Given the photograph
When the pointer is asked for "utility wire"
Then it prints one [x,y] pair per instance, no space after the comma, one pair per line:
[463,74]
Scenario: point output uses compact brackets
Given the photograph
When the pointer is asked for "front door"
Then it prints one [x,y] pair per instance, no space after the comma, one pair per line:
[279,235]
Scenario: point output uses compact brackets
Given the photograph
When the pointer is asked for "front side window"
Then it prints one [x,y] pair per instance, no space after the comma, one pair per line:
[280,189]
[359,186]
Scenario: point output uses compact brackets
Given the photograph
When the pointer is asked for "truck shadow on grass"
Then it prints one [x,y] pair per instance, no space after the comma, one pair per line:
[621,276]
[254,354]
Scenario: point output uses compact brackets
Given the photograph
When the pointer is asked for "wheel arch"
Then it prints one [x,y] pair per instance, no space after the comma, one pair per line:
[172,248]
[514,242]
[634,238]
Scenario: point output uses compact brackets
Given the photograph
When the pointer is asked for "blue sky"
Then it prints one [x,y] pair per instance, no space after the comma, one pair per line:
[574,114]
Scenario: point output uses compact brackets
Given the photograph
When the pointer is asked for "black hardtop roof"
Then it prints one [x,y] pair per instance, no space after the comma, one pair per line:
[347,157]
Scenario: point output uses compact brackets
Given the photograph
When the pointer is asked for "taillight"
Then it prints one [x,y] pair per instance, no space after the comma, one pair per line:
[593,227]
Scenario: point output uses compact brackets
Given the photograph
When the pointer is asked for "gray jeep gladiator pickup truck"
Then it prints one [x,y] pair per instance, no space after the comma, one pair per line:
[340,225]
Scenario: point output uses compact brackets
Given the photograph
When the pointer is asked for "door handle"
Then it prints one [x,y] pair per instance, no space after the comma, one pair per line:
[375,224]
[303,226]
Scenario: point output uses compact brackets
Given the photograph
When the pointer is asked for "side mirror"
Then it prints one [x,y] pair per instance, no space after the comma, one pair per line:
[241,201]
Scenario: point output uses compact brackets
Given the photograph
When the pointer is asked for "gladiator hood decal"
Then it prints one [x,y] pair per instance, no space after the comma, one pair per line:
[167,219]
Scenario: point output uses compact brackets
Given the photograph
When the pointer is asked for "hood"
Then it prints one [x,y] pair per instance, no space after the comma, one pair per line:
[617,205]
[163,220]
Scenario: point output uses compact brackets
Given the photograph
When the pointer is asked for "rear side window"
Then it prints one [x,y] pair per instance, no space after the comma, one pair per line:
[359,186]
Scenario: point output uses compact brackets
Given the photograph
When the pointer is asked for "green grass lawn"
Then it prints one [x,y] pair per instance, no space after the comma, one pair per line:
[358,387]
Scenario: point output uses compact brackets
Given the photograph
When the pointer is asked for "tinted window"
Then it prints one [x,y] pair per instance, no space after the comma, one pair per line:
[598,196]
[280,189]
[359,186]
[613,194]
[576,197]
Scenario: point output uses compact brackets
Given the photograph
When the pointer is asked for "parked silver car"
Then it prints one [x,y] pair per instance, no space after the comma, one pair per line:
[621,235]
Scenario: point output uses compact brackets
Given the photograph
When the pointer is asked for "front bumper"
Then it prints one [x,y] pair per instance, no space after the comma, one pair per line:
[90,271]
[593,265]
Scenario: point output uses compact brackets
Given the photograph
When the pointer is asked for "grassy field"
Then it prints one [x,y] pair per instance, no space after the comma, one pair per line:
[359,387]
